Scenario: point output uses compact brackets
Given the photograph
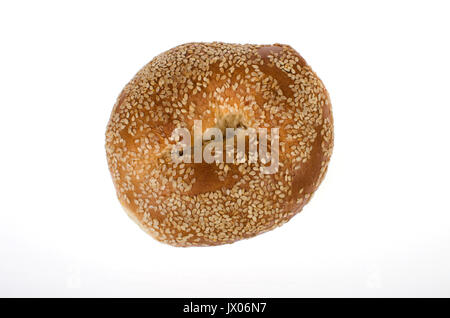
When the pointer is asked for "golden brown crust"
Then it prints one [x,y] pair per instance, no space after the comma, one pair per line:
[195,204]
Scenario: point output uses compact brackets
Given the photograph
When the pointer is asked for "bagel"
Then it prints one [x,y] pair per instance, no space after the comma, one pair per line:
[224,86]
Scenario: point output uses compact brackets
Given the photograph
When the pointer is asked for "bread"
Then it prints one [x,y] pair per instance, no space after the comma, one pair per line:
[224,86]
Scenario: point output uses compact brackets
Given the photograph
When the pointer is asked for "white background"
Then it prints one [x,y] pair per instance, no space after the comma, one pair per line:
[379,225]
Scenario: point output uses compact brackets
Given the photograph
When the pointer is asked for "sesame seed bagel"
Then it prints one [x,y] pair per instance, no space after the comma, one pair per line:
[224,86]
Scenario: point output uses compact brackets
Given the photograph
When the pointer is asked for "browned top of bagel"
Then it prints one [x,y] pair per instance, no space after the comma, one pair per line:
[209,204]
